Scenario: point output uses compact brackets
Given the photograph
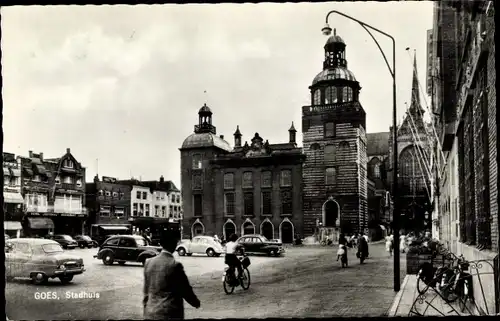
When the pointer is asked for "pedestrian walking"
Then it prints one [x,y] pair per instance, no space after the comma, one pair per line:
[166,285]
[362,253]
[389,244]
[402,243]
[342,254]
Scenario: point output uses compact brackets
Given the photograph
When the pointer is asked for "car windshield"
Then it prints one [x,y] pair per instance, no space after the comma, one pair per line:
[86,238]
[141,241]
[52,248]
[264,239]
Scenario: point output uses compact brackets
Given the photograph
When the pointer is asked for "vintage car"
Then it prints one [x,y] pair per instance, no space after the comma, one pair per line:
[40,259]
[66,241]
[126,248]
[84,241]
[259,244]
[200,245]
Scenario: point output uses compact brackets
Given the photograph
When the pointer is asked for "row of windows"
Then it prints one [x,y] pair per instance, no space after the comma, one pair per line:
[144,195]
[266,179]
[331,150]
[11,181]
[68,180]
[109,194]
[332,95]
[107,211]
[141,209]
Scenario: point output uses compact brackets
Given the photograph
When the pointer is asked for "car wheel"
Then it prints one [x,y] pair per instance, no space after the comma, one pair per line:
[108,258]
[210,252]
[82,246]
[66,279]
[39,278]
[272,253]
[181,251]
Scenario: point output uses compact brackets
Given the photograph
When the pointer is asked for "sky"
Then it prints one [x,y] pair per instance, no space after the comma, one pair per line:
[121,85]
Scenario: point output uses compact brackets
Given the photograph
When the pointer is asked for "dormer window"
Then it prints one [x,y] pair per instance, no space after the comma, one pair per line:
[57,180]
[79,182]
[68,163]
[331,95]
[317,97]
[68,180]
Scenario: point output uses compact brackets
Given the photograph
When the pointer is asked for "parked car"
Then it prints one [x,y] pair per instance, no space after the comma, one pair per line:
[200,245]
[66,241]
[126,248]
[84,241]
[259,244]
[40,259]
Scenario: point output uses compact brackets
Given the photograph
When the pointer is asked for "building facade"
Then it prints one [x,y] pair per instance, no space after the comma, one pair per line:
[108,202]
[334,142]
[54,194]
[414,138]
[464,103]
[12,197]
[251,188]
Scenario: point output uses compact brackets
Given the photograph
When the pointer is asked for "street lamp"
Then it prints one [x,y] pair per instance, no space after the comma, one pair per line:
[327,31]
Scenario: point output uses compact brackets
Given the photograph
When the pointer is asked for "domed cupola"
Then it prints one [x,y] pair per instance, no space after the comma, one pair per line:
[335,84]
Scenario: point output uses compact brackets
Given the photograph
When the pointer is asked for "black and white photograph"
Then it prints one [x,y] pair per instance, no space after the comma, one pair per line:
[250,160]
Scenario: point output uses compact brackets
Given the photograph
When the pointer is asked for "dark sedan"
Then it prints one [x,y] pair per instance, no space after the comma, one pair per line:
[66,241]
[84,241]
[259,244]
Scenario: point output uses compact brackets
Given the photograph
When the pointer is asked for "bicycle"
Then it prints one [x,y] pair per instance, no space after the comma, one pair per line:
[457,284]
[230,281]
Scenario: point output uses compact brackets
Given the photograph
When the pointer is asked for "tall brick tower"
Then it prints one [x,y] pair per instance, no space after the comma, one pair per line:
[334,141]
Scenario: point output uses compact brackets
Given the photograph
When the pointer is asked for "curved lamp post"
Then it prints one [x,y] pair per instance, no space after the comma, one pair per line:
[327,31]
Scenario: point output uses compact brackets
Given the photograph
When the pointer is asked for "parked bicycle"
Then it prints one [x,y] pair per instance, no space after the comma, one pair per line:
[230,281]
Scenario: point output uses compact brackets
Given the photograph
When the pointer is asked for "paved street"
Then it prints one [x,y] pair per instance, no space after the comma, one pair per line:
[306,282]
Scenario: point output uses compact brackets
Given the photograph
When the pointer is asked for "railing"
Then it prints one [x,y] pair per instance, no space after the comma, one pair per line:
[449,288]
[323,108]
[205,126]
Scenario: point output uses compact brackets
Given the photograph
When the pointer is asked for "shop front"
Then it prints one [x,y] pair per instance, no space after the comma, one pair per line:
[13,229]
[38,226]
[69,223]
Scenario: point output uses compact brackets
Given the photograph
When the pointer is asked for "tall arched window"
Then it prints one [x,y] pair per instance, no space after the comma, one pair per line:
[376,170]
[349,94]
[317,97]
[331,95]
[410,170]
[330,151]
[344,96]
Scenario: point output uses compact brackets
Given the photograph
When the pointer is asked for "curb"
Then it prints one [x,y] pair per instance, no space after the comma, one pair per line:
[397,299]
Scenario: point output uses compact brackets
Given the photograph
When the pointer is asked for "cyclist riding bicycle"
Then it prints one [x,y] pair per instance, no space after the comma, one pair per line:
[231,259]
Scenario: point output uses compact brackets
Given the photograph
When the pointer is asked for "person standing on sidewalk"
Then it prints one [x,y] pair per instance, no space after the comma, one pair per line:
[389,244]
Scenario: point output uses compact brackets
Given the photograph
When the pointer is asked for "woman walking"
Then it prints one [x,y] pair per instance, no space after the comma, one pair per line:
[402,243]
[389,244]
[362,249]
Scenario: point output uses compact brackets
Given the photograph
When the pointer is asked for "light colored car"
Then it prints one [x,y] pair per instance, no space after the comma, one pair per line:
[200,245]
[40,259]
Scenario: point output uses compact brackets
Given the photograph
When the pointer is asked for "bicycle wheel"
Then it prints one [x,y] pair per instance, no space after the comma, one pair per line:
[228,288]
[421,285]
[245,279]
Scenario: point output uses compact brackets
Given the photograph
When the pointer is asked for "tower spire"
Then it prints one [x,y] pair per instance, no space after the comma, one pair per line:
[415,106]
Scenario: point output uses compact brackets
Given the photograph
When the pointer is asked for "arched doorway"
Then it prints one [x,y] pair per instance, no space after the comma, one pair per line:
[229,229]
[247,228]
[331,213]
[197,229]
[286,231]
[267,229]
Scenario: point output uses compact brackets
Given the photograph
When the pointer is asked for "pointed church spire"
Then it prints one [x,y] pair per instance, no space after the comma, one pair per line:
[415,106]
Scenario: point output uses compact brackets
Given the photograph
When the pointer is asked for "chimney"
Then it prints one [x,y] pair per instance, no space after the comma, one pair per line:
[31,153]
[162,179]
[68,150]
[41,156]
[221,136]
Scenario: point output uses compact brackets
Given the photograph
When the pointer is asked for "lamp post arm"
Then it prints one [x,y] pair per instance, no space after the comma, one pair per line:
[365,25]
[379,48]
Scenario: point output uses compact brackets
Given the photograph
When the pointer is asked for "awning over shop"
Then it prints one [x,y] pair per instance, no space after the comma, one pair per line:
[28,171]
[114,227]
[40,169]
[12,225]
[15,172]
[40,223]
[15,198]
[6,172]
